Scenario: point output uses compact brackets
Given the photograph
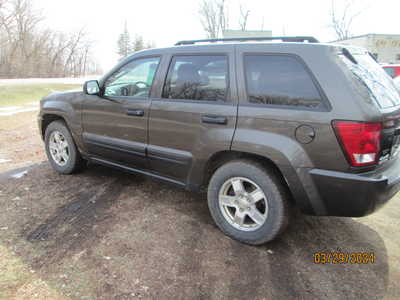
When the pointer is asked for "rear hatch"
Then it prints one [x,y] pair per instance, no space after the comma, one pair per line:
[376,85]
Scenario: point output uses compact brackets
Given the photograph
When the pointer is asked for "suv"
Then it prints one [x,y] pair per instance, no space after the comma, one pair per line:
[262,125]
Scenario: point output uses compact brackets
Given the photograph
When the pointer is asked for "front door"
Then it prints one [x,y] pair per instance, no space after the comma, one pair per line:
[195,115]
[115,123]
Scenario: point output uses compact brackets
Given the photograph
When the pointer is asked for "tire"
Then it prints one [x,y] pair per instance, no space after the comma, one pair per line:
[71,160]
[273,207]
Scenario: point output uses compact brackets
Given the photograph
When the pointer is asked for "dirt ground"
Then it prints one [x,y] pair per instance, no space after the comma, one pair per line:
[20,142]
[104,234]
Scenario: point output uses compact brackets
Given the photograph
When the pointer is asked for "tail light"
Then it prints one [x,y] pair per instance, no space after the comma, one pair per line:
[360,141]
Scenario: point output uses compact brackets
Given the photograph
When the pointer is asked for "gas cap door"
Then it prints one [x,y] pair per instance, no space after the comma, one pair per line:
[305,134]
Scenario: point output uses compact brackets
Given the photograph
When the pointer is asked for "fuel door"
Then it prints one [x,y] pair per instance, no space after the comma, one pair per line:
[305,134]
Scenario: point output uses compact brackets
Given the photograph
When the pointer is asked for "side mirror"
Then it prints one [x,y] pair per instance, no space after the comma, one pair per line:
[91,87]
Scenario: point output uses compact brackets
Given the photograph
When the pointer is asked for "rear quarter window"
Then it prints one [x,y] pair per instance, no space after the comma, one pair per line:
[280,80]
[371,77]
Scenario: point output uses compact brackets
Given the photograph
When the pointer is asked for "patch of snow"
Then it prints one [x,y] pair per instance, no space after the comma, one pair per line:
[3,160]
[9,108]
[16,111]
[80,80]
[33,103]
[19,175]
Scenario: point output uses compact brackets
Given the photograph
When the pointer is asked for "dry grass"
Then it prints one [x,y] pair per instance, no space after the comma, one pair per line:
[20,94]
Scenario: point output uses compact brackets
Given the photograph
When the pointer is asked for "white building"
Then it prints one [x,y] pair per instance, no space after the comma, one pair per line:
[230,33]
[386,47]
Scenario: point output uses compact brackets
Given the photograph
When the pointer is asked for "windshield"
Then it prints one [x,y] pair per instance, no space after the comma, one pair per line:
[380,86]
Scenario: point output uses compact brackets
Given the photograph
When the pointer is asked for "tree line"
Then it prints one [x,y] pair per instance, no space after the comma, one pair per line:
[127,46]
[29,50]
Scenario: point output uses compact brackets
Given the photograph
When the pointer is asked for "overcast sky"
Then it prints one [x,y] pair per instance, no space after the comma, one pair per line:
[168,21]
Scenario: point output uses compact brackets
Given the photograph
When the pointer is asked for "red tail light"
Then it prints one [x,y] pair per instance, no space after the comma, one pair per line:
[360,141]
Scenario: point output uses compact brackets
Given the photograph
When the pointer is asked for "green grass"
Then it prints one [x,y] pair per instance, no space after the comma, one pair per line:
[19,94]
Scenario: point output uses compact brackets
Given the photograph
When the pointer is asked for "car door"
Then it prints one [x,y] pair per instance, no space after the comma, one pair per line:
[115,123]
[195,115]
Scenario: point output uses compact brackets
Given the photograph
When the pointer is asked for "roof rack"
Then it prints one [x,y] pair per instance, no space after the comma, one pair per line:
[298,39]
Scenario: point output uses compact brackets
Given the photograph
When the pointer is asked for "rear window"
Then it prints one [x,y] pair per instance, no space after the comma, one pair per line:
[279,80]
[371,75]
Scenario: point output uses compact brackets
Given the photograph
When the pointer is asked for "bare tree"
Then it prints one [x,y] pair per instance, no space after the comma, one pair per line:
[244,15]
[223,15]
[28,50]
[213,17]
[341,21]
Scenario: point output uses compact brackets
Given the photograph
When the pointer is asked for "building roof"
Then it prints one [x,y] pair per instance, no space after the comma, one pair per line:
[368,35]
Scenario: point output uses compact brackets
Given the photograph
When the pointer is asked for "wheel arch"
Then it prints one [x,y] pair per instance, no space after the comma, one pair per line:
[286,174]
[220,158]
[47,119]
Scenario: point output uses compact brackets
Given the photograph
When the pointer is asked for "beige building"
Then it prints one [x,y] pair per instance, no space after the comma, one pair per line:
[386,47]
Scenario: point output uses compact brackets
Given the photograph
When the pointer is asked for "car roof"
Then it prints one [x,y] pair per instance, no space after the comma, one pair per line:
[219,46]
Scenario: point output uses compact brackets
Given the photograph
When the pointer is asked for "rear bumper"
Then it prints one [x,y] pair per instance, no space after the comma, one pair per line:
[355,195]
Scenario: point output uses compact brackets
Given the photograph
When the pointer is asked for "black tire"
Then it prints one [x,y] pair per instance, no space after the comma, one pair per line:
[75,162]
[276,196]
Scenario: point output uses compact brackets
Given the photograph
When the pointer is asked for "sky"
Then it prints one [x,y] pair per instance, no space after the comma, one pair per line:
[166,22]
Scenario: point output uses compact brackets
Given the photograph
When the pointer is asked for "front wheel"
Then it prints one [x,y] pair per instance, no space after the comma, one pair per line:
[61,149]
[248,202]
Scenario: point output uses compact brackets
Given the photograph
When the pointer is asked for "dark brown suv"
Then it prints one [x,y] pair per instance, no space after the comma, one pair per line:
[261,125]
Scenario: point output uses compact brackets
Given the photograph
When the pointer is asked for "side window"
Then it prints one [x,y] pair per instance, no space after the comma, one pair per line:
[133,79]
[279,80]
[199,77]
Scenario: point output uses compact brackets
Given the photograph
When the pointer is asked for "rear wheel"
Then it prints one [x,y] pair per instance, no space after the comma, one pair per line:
[61,149]
[248,202]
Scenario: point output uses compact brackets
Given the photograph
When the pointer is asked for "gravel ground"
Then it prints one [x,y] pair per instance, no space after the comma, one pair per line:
[104,234]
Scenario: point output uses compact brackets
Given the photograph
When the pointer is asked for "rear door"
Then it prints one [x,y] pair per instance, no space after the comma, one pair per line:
[194,115]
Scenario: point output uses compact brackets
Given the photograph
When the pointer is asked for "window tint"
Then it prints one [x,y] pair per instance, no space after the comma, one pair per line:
[279,80]
[133,79]
[200,77]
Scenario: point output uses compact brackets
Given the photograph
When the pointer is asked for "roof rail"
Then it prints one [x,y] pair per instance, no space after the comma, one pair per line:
[298,39]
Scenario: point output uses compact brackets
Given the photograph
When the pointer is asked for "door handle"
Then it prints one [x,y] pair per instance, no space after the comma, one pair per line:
[135,112]
[214,120]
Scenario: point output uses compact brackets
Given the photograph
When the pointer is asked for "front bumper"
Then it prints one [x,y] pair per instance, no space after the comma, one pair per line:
[356,195]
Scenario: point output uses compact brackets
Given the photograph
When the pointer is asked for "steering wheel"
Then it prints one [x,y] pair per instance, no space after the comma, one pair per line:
[137,86]
[124,91]
[144,85]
